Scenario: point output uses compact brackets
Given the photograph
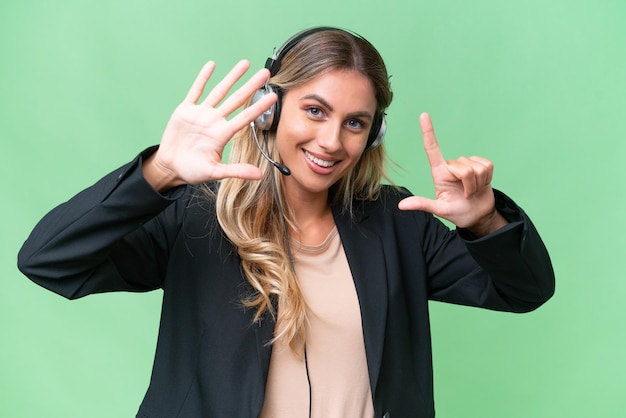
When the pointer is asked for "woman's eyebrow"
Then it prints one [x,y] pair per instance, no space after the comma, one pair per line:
[319,99]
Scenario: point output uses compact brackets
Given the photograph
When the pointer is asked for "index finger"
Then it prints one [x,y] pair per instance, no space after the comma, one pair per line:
[435,157]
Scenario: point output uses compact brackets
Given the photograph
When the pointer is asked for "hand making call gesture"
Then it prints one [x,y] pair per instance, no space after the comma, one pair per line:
[194,139]
[463,193]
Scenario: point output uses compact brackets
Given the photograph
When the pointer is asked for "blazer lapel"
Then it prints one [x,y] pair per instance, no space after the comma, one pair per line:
[264,332]
[364,251]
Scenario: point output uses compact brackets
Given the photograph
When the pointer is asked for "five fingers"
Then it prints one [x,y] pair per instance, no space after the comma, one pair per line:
[221,90]
[219,100]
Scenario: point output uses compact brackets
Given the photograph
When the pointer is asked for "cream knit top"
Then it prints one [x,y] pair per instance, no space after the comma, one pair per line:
[335,352]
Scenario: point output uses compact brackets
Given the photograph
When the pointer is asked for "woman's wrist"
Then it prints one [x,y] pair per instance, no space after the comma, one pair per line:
[488,224]
[160,178]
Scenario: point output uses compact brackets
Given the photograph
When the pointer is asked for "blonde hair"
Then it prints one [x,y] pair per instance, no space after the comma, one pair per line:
[248,211]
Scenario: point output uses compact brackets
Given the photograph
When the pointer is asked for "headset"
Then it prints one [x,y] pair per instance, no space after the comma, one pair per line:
[268,120]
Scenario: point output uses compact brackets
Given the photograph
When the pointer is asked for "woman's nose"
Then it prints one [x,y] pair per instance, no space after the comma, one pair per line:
[329,138]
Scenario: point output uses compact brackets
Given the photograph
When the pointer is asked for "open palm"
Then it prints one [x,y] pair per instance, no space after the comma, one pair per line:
[193,142]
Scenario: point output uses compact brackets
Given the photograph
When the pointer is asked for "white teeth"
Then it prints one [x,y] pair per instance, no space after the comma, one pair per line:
[320,162]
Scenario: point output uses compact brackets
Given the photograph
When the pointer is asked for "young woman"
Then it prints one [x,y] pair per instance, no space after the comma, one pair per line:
[300,290]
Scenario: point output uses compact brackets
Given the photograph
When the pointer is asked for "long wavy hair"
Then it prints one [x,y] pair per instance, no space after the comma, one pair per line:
[248,211]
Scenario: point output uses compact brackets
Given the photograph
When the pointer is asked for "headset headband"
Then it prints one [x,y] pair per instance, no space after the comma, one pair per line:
[273,62]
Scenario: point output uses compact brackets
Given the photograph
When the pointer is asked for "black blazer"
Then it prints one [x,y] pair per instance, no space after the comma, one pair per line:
[211,361]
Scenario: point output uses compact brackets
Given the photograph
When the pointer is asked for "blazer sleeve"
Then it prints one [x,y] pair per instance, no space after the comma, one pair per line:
[508,270]
[111,236]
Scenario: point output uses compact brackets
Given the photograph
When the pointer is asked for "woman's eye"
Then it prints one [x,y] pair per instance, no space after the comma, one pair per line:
[314,111]
[355,124]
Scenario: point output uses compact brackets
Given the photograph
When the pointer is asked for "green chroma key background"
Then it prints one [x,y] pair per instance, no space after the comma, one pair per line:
[538,87]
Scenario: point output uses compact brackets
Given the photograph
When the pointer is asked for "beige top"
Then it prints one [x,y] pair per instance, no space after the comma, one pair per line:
[335,349]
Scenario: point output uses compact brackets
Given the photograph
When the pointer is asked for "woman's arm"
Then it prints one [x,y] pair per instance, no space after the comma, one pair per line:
[77,248]
[508,269]
[109,236]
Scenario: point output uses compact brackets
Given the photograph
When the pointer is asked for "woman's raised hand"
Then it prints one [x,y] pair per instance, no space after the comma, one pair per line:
[463,193]
[197,132]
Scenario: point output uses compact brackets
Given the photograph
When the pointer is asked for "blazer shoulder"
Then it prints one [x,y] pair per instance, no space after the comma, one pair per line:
[385,206]
[390,192]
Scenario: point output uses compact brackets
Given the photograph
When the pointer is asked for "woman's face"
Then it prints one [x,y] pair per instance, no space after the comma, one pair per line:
[323,130]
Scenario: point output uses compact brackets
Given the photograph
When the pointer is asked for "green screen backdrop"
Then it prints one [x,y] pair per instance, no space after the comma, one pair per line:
[539,87]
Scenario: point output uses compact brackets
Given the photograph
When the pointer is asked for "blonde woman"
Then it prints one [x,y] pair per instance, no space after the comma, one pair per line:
[295,284]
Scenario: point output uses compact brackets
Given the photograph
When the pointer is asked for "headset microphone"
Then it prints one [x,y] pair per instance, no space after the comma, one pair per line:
[282,168]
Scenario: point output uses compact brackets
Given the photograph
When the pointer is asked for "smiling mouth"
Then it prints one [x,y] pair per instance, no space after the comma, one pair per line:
[319,161]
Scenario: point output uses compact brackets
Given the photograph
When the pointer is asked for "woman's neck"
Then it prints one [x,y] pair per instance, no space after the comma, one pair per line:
[313,217]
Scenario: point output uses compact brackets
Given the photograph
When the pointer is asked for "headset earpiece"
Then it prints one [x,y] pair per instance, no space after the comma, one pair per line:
[377,133]
[268,120]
